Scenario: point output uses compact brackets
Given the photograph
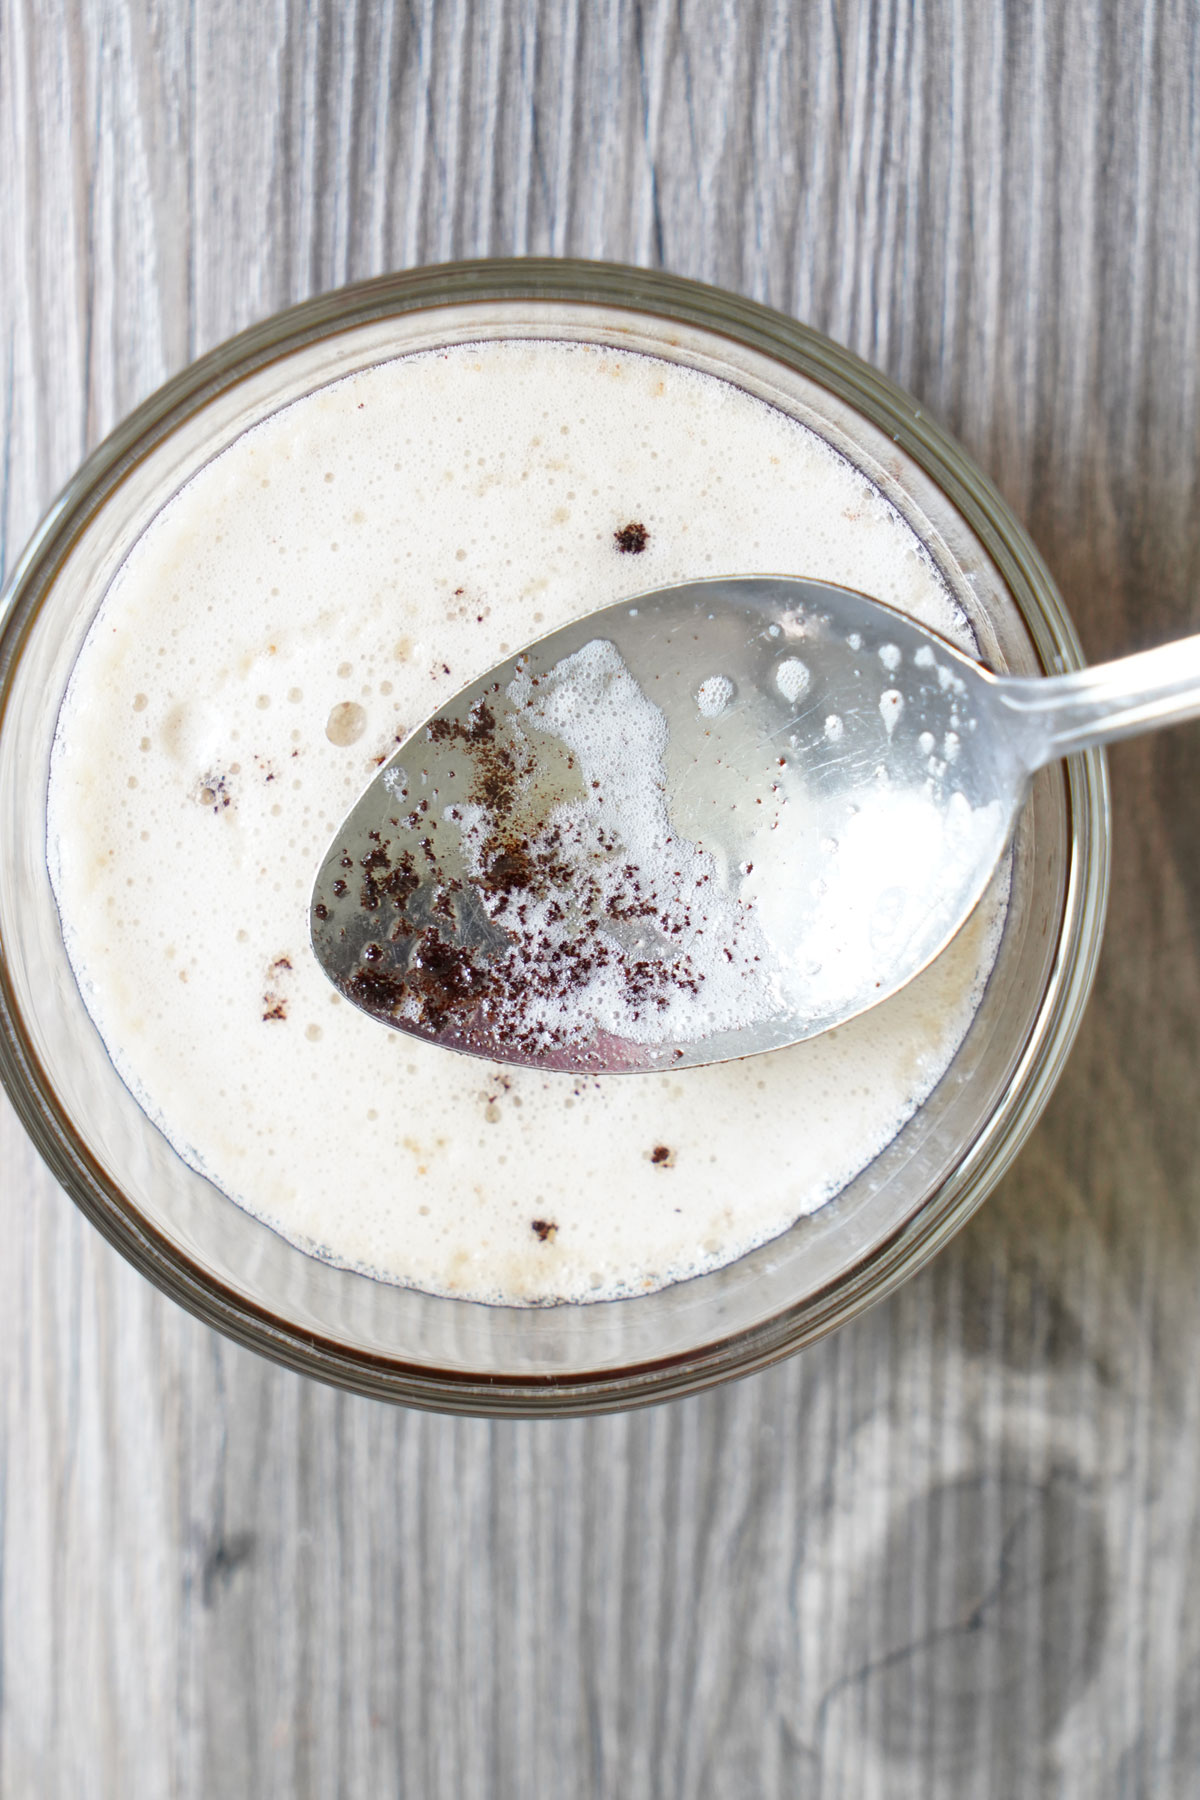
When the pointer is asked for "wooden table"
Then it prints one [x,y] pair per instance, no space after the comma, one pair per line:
[950,1551]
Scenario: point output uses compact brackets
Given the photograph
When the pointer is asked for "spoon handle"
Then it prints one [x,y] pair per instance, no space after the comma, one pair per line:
[1054,715]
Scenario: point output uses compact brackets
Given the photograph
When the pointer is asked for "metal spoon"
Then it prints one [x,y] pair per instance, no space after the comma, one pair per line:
[711,821]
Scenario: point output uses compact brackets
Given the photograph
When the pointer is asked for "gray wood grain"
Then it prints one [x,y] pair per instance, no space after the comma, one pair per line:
[956,1548]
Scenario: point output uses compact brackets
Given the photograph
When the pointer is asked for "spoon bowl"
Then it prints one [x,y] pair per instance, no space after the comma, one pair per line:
[710,821]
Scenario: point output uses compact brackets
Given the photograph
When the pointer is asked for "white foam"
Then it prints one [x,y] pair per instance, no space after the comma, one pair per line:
[671,955]
[866,911]
[714,696]
[376,546]
[793,679]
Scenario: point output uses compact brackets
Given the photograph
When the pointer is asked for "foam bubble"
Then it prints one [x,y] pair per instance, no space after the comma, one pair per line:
[792,678]
[714,696]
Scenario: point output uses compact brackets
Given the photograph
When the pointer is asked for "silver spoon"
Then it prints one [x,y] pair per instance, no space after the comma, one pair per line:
[714,820]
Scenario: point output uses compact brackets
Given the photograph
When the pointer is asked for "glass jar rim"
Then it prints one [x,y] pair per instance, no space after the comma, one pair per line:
[968,491]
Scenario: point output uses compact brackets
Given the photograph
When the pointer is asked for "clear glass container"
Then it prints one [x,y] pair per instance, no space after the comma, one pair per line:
[396,1343]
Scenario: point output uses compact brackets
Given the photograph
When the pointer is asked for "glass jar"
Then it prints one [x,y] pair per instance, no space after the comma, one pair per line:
[397,1343]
